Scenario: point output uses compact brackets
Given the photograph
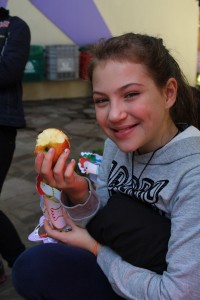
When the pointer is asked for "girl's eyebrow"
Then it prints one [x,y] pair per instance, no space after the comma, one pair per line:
[129,85]
[121,88]
[98,93]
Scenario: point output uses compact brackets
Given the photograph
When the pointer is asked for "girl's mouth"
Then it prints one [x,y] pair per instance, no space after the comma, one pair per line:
[124,128]
[123,131]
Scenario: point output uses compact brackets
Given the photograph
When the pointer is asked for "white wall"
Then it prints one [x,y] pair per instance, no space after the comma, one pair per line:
[176,21]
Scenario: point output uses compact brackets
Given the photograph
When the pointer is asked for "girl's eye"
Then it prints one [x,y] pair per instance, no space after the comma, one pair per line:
[132,95]
[100,101]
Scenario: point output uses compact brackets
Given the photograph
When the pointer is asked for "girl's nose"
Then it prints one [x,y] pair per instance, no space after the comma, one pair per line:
[117,112]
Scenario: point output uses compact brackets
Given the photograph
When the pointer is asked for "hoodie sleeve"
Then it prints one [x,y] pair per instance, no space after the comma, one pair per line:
[81,214]
[182,278]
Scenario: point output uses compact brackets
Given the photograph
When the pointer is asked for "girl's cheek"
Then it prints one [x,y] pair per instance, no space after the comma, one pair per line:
[101,117]
[99,114]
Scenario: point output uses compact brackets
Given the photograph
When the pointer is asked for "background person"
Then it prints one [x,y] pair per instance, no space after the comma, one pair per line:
[14,51]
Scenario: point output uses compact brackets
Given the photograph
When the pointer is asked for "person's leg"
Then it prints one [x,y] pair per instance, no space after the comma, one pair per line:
[10,243]
[57,271]
[7,148]
[2,273]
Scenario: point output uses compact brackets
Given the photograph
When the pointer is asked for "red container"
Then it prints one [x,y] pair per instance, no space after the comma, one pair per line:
[84,60]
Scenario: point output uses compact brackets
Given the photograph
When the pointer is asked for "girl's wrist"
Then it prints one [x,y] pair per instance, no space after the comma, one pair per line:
[79,197]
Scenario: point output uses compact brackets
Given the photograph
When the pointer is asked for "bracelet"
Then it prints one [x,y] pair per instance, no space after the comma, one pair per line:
[96,244]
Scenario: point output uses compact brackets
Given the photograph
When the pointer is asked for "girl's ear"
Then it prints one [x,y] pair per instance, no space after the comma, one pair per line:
[170,92]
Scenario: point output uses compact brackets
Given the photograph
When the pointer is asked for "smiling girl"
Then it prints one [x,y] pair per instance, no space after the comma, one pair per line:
[152,155]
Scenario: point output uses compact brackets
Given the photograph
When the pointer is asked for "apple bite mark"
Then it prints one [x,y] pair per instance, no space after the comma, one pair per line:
[52,138]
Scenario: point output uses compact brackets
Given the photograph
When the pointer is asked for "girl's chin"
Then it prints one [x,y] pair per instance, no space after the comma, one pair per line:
[125,147]
[125,144]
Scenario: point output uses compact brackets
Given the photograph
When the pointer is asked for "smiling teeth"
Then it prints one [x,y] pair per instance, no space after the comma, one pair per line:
[121,130]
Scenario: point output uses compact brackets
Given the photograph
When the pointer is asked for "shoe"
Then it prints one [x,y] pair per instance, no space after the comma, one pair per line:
[39,234]
[2,273]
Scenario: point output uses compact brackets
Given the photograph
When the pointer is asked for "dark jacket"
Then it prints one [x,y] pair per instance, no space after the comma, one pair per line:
[14,52]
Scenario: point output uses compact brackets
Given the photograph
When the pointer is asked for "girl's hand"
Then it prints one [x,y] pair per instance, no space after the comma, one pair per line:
[78,237]
[62,175]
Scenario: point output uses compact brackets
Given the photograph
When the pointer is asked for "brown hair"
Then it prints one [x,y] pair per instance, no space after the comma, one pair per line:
[161,66]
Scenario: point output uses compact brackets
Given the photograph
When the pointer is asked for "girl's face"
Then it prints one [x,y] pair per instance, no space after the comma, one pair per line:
[130,108]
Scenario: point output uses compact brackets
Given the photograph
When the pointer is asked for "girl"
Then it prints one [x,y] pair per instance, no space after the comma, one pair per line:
[145,107]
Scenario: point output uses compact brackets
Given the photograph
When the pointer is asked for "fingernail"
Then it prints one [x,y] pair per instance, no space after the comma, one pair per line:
[40,154]
[50,150]
[66,150]
[67,228]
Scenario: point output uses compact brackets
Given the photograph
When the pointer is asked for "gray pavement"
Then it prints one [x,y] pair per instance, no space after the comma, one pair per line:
[19,199]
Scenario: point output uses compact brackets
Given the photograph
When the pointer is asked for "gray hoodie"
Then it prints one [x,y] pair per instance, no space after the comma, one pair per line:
[169,179]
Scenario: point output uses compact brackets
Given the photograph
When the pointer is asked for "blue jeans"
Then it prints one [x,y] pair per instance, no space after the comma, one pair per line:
[58,272]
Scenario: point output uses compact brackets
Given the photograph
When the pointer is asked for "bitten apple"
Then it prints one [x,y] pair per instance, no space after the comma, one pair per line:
[52,138]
